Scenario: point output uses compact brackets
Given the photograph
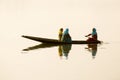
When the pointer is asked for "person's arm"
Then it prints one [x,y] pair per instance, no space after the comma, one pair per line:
[88,35]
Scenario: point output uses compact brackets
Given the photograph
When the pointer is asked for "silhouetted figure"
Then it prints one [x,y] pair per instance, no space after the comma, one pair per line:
[93,34]
[60,34]
[93,49]
[66,36]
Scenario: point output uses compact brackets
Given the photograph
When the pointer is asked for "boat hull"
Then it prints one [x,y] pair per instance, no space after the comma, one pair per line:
[55,41]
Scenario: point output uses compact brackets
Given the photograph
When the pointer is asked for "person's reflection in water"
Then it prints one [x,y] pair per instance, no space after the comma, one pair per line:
[60,51]
[64,50]
[93,49]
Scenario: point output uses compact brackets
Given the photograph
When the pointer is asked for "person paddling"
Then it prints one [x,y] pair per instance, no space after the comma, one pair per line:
[93,34]
[66,36]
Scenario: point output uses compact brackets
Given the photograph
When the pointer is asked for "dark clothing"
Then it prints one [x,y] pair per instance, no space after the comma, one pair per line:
[66,38]
[93,38]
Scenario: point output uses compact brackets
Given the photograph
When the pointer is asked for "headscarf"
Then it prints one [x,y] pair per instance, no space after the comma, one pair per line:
[66,31]
[94,31]
[61,31]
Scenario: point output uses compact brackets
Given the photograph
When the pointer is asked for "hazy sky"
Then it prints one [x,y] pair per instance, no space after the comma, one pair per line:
[16,16]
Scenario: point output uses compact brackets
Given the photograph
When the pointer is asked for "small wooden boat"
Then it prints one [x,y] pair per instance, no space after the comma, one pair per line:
[55,41]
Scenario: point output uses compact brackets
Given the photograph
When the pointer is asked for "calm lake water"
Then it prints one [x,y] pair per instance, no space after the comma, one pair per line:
[49,63]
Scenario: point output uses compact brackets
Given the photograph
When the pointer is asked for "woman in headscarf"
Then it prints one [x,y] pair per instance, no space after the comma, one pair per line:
[66,36]
[93,34]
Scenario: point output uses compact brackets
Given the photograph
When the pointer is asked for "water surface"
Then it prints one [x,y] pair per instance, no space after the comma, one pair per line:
[48,62]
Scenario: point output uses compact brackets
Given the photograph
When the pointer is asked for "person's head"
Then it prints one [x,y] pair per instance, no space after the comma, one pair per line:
[94,29]
[67,30]
[61,29]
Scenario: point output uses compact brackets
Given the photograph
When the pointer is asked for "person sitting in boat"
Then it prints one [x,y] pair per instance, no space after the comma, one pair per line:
[60,34]
[66,36]
[93,34]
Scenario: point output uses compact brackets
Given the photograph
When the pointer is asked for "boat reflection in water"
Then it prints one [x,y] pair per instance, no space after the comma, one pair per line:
[93,49]
[63,49]
[43,45]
